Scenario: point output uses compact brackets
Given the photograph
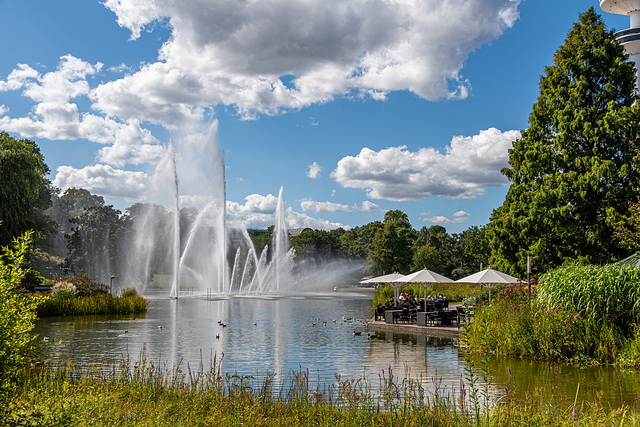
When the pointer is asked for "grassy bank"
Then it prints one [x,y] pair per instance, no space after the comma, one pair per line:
[147,396]
[585,314]
[96,304]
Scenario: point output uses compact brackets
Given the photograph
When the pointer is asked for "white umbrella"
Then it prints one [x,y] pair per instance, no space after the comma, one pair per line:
[425,277]
[489,276]
[387,278]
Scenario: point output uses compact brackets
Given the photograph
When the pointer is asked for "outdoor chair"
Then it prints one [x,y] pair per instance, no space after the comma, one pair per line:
[405,315]
[379,314]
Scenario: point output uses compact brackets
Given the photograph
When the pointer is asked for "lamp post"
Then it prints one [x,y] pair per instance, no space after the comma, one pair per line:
[111,285]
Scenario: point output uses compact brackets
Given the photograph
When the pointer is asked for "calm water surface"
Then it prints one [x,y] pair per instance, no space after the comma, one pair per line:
[315,333]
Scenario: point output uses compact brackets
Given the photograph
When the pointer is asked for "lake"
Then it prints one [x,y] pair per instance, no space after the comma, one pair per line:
[315,333]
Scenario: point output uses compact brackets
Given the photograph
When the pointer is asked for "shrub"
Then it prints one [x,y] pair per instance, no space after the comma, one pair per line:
[17,313]
[63,290]
[85,286]
[129,291]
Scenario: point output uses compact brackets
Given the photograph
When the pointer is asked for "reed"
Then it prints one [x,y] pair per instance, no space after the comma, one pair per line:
[609,294]
[97,304]
[146,395]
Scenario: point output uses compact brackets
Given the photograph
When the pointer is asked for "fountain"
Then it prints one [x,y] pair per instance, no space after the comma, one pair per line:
[182,245]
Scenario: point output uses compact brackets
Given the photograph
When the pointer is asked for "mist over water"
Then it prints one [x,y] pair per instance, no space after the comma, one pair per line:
[179,243]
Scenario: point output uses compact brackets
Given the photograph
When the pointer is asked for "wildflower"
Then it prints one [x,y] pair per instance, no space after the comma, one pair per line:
[506,392]
[548,312]
[509,370]
[576,317]
[557,310]
[566,321]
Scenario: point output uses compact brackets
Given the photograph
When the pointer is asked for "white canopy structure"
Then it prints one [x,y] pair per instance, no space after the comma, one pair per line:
[489,277]
[425,276]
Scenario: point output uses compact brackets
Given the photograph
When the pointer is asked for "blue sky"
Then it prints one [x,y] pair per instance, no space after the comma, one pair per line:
[355,108]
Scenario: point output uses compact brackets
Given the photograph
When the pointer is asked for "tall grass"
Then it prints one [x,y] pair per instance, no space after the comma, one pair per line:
[97,304]
[609,294]
[579,314]
[144,395]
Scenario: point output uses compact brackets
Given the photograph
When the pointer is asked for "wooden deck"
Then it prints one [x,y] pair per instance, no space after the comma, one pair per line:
[408,328]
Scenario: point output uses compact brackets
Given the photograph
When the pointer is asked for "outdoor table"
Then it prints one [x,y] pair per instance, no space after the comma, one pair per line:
[391,316]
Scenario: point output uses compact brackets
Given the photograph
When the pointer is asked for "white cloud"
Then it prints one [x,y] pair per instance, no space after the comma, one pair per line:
[284,54]
[323,207]
[105,181]
[258,211]
[465,167]
[68,81]
[314,170]
[368,206]
[458,218]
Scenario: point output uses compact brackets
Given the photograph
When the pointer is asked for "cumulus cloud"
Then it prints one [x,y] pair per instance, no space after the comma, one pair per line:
[105,181]
[258,211]
[323,207]
[314,170]
[462,170]
[458,218]
[328,207]
[269,56]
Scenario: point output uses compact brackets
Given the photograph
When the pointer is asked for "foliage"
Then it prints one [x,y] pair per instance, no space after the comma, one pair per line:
[25,192]
[97,304]
[93,241]
[128,291]
[63,290]
[572,171]
[392,248]
[146,395]
[85,286]
[607,294]
[17,313]
[579,313]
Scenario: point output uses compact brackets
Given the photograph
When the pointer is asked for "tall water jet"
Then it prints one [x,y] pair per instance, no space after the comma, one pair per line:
[175,288]
[280,238]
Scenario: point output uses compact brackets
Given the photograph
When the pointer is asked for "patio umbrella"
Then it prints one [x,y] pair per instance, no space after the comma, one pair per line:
[387,278]
[383,279]
[489,276]
[425,277]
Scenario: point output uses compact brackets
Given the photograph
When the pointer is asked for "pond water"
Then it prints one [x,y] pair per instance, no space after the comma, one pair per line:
[315,333]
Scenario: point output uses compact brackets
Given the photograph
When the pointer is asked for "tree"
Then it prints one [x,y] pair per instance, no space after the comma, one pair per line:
[24,190]
[393,245]
[93,242]
[571,171]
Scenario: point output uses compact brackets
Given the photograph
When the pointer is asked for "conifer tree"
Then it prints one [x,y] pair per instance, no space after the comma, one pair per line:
[571,171]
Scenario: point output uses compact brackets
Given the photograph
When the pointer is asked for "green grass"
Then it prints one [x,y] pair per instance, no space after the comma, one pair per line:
[147,396]
[97,304]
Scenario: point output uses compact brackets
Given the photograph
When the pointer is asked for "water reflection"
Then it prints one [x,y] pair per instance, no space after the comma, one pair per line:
[315,333]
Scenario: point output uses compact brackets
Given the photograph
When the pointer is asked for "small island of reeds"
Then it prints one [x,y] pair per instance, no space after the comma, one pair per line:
[79,295]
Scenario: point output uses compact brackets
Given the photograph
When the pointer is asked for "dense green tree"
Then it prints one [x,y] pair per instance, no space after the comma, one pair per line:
[93,242]
[393,245]
[435,250]
[475,251]
[571,171]
[358,242]
[24,189]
